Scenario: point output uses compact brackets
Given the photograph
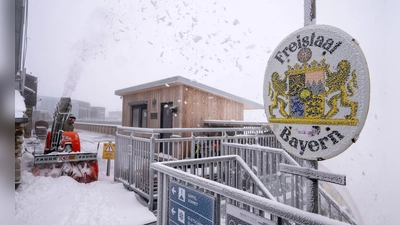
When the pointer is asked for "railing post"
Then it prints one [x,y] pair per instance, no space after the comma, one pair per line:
[192,146]
[223,140]
[160,206]
[165,190]
[116,159]
[131,162]
[151,171]
[130,167]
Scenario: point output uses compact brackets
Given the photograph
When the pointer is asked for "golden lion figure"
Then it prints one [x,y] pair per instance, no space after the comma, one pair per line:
[337,82]
[279,88]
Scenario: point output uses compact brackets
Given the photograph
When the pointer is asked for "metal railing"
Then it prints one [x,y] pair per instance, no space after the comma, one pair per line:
[223,179]
[286,188]
[138,148]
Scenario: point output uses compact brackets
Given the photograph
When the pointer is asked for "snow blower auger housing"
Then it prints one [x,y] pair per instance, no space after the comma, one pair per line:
[62,154]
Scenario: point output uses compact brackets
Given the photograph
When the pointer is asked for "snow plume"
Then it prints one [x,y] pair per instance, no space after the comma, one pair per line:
[92,46]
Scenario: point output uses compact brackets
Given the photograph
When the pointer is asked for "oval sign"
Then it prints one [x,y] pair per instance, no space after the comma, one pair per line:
[316,92]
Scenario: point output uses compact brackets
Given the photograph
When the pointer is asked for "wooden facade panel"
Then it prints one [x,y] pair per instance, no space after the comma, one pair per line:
[199,105]
[194,106]
[154,98]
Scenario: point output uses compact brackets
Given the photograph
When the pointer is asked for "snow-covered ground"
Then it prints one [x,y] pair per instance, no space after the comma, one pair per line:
[46,200]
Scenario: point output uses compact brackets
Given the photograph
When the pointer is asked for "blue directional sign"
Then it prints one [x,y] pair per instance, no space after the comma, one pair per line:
[236,216]
[188,206]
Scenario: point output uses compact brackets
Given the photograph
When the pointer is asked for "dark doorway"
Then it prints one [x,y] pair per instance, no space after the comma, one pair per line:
[166,122]
[139,115]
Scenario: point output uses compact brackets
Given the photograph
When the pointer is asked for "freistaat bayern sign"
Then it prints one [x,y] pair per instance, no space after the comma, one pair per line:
[316,92]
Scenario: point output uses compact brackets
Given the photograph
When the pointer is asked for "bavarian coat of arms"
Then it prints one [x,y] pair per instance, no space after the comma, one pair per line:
[300,95]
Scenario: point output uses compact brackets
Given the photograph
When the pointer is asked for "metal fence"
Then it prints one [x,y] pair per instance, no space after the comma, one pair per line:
[286,188]
[138,148]
[226,179]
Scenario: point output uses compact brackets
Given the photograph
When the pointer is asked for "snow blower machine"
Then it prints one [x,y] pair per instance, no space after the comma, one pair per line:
[62,154]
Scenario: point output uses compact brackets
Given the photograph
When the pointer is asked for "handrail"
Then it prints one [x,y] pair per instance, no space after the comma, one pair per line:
[263,148]
[186,130]
[293,162]
[273,207]
[243,164]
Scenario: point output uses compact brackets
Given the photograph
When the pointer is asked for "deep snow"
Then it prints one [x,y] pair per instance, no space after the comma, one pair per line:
[46,200]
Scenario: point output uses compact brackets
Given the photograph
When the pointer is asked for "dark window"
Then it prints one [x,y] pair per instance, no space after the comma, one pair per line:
[139,115]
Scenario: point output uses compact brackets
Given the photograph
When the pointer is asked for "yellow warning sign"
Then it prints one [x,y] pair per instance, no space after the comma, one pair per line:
[108,150]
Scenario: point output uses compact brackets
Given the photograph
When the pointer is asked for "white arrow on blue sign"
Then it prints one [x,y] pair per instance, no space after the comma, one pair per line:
[192,206]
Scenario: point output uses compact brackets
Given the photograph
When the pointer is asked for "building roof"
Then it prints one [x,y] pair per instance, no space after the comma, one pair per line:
[177,80]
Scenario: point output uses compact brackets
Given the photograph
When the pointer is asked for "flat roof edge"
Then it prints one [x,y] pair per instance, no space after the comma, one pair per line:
[179,79]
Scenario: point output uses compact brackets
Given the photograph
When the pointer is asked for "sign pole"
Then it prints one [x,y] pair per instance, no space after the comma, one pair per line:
[311,184]
[108,165]
[309,12]
[312,188]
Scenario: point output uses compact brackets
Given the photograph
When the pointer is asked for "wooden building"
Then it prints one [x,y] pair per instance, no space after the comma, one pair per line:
[178,102]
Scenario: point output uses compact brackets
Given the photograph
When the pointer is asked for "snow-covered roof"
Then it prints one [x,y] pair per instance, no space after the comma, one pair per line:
[182,80]
[20,108]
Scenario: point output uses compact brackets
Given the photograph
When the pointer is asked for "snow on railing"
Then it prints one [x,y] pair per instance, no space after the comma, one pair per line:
[286,188]
[224,185]
[138,148]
